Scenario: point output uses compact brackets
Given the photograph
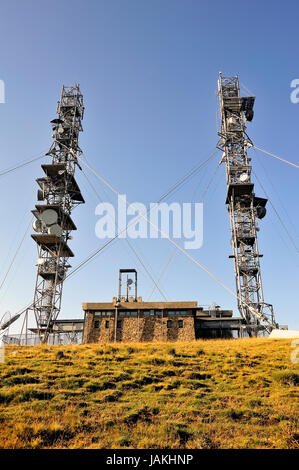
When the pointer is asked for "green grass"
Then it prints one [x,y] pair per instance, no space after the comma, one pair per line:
[203,394]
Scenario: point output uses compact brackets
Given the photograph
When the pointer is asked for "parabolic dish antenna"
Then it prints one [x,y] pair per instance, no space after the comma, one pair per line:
[55,230]
[37,225]
[49,216]
[243,177]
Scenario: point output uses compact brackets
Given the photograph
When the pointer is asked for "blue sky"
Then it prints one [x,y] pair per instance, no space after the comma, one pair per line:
[148,70]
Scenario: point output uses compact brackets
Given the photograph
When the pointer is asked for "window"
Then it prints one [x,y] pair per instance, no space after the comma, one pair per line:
[127,313]
[169,323]
[133,313]
[103,313]
[181,324]
[107,313]
[177,312]
[97,324]
[107,324]
[147,313]
[119,323]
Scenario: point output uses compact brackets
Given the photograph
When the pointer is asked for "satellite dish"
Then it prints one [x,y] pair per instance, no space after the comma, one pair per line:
[244,177]
[41,261]
[55,230]
[60,130]
[129,281]
[260,212]
[49,216]
[37,225]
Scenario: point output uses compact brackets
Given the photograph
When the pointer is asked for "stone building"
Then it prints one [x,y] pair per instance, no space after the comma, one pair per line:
[127,318]
[138,321]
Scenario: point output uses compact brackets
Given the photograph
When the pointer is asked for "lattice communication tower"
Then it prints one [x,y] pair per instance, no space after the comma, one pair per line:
[59,193]
[244,207]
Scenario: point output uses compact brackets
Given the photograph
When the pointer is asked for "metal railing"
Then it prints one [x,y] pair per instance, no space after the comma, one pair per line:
[33,339]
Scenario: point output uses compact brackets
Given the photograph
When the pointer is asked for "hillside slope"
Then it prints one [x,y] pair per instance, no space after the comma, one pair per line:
[204,394]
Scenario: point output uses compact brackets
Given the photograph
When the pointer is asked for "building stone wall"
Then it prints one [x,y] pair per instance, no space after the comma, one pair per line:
[101,334]
[139,329]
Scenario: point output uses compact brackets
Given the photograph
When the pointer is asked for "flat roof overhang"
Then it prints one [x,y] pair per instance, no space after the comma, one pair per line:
[139,306]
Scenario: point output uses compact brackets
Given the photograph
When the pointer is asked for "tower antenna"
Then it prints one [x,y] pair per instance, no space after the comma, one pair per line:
[59,193]
[244,207]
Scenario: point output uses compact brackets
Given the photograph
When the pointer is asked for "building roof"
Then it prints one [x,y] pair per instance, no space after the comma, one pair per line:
[139,305]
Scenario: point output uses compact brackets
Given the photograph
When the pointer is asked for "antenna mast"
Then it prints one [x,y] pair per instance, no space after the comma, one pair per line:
[243,206]
[59,193]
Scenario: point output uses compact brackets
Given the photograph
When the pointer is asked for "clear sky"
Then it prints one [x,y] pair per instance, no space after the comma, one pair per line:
[148,70]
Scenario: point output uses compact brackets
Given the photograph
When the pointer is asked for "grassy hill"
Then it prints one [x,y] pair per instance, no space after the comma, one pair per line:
[204,394]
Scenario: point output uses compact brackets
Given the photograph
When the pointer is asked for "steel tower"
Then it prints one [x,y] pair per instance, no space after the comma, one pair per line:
[59,193]
[244,207]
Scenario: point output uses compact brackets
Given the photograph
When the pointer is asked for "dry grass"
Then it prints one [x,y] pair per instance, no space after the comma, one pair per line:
[204,394]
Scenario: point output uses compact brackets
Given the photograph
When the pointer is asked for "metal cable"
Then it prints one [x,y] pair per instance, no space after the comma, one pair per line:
[209,183]
[15,255]
[129,244]
[90,257]
[246,89]
[165,235]
[175,249]
[277,194]
[275,156]
[279,218]
[175,187]
[187,177]
[9,170]
[163,272]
